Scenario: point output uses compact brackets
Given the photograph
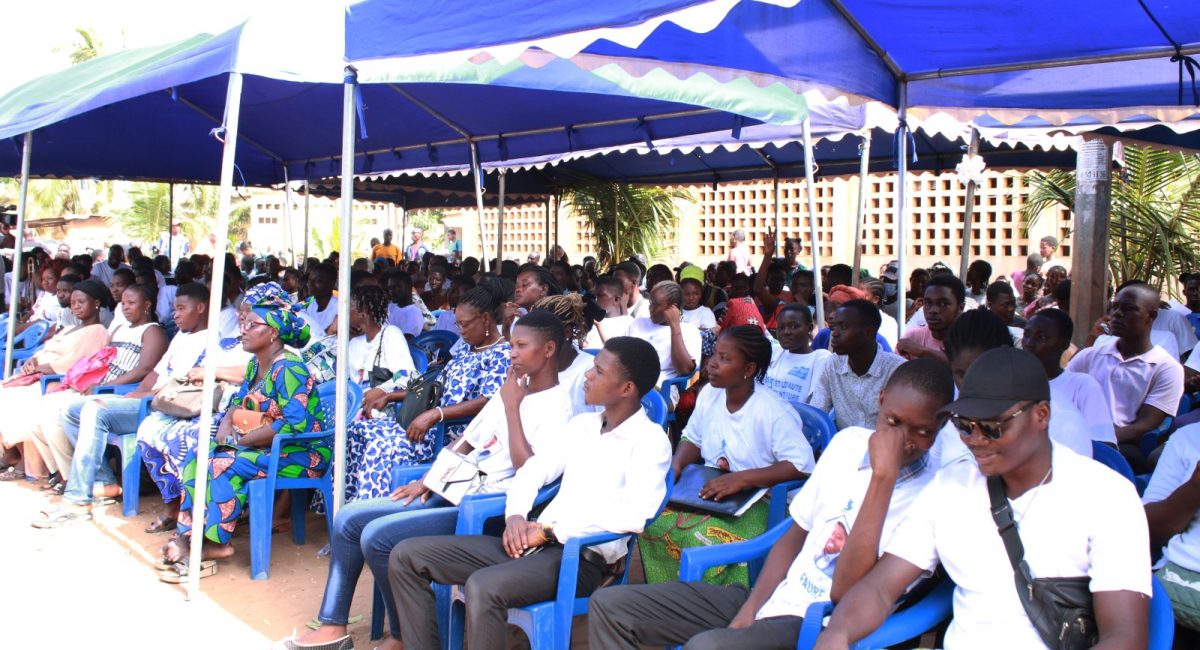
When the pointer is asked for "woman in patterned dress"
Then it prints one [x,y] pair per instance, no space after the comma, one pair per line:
[277,398]
[473,375]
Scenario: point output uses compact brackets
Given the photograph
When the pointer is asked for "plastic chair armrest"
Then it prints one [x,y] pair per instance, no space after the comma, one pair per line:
[777,506]
[474,512]
[814,624]
[120,389]
[914,621]
[46,379]
[695,561]
[408,473]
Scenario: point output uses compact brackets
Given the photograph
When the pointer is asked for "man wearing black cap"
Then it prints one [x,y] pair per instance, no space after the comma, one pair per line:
[1074,518]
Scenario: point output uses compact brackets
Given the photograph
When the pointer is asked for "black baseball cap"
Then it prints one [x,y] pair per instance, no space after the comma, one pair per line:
[997,380]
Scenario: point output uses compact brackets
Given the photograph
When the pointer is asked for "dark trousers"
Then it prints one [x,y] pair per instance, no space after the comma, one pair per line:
[693,613]
[492,583]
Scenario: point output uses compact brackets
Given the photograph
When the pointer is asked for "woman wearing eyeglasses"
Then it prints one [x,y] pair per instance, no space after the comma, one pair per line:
[277,398]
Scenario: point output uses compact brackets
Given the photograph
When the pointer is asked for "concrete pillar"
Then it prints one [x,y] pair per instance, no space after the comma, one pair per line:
[1089,279]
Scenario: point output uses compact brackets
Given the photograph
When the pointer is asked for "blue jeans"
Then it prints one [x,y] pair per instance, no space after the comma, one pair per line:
[365,532]
[87,422]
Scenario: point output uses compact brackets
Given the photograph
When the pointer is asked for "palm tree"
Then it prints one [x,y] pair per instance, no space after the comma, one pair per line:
[87,47]
[625,219]
[148,214]
[1154,218]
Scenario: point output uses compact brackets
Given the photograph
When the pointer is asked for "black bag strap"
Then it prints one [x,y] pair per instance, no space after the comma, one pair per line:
[1006,525]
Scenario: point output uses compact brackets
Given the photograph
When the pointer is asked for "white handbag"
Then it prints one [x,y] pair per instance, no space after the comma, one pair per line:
[453,476]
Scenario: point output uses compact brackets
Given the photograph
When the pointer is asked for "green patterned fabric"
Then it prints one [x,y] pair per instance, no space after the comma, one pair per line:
[674,530]
[1183,587]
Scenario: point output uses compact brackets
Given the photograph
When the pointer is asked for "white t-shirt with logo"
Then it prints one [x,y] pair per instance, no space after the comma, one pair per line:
[827,507]
[790,375]
[181,356]
[1086,521]
[765,431]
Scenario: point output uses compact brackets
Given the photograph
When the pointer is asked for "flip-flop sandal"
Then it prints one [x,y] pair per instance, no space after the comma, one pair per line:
[163,565]
[59,518]
[52,482]
[314,624]
[161,525]
[179,572]
[341,643]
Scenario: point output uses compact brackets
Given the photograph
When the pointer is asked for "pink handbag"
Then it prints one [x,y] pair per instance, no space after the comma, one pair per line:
[88,372]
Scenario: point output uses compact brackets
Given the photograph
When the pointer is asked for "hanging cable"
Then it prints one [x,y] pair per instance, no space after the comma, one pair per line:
[1185,62]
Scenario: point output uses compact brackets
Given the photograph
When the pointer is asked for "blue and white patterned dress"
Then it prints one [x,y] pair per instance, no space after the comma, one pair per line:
[375,447]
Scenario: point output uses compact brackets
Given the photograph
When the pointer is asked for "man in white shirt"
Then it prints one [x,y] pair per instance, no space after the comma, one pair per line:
[739,253]
[849,507]
[324,308]
[103,271]
[676,342]
[1074,517]
[630,275]
[1047,336]
[1178,327]
[613,467]
[1141,382]
[610,296]
[87,422]
[1172,503]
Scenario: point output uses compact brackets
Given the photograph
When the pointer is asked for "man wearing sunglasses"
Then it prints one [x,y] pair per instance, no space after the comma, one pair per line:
[1074,518]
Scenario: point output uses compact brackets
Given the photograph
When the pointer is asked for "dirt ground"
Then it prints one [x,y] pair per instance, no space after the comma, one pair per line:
[93,585]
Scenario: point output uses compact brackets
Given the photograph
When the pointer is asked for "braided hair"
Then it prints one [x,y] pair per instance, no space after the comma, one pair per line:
[977,329]
[671,291]
[577,315]
[752,344]
[488,296]
[371,299]
[543,277]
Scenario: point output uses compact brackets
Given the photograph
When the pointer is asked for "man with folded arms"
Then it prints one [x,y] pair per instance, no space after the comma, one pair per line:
[1074,518]
[856,496]
[613,467]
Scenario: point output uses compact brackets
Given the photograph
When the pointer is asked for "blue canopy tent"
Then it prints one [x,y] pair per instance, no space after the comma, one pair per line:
[1055,61]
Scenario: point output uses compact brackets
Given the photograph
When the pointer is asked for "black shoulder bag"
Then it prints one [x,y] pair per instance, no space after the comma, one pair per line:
[424,393]
[379,375]
[1059,608]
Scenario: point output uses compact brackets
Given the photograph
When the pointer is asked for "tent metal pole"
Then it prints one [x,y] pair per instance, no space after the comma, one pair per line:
[307,198]
[478,172]
[1140,55]
[287,214]
[233,106]
[775,192]
[616,258]
[901,212]
[171,222]
[546,241]
[864,155]
[345,258]
[500,220]
[1093,194]
[968,214]
[15,291]
[810,191]
[557,219]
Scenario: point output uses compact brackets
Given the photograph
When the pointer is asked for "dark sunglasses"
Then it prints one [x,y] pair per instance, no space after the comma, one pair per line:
[993,429]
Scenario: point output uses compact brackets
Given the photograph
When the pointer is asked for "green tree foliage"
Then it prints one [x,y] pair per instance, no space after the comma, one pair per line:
[1155,215]
[643,219]
[86,47]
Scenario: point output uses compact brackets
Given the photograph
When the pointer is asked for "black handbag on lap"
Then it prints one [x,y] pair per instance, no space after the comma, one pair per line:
[1059,608]
[424,393]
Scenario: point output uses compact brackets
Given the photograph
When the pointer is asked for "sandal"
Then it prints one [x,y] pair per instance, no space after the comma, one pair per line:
[161,525]
[341,643]
[163,565]
[178,572]
[52,482]
[59,517]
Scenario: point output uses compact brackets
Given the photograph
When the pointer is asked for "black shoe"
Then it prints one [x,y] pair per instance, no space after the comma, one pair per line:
[53,482]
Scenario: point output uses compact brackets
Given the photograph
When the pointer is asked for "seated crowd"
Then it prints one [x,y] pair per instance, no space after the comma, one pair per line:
[949,430]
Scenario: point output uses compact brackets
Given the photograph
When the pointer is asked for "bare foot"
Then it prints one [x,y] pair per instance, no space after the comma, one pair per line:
[102,491]
[323,634]
[179,547]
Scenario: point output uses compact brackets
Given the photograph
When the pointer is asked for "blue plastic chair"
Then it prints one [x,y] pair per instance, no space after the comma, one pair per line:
[924,615]
[1162,618]
[30,338]
[1112,459]
[435,343]
[655,407]
[420,360]
[592,351]
[680,384]
[546,624]
[262,491]
[818,426]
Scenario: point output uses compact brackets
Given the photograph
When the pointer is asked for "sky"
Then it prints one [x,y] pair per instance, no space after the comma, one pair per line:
[40,35]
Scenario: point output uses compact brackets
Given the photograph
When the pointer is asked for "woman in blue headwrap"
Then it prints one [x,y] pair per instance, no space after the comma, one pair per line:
[277,398]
